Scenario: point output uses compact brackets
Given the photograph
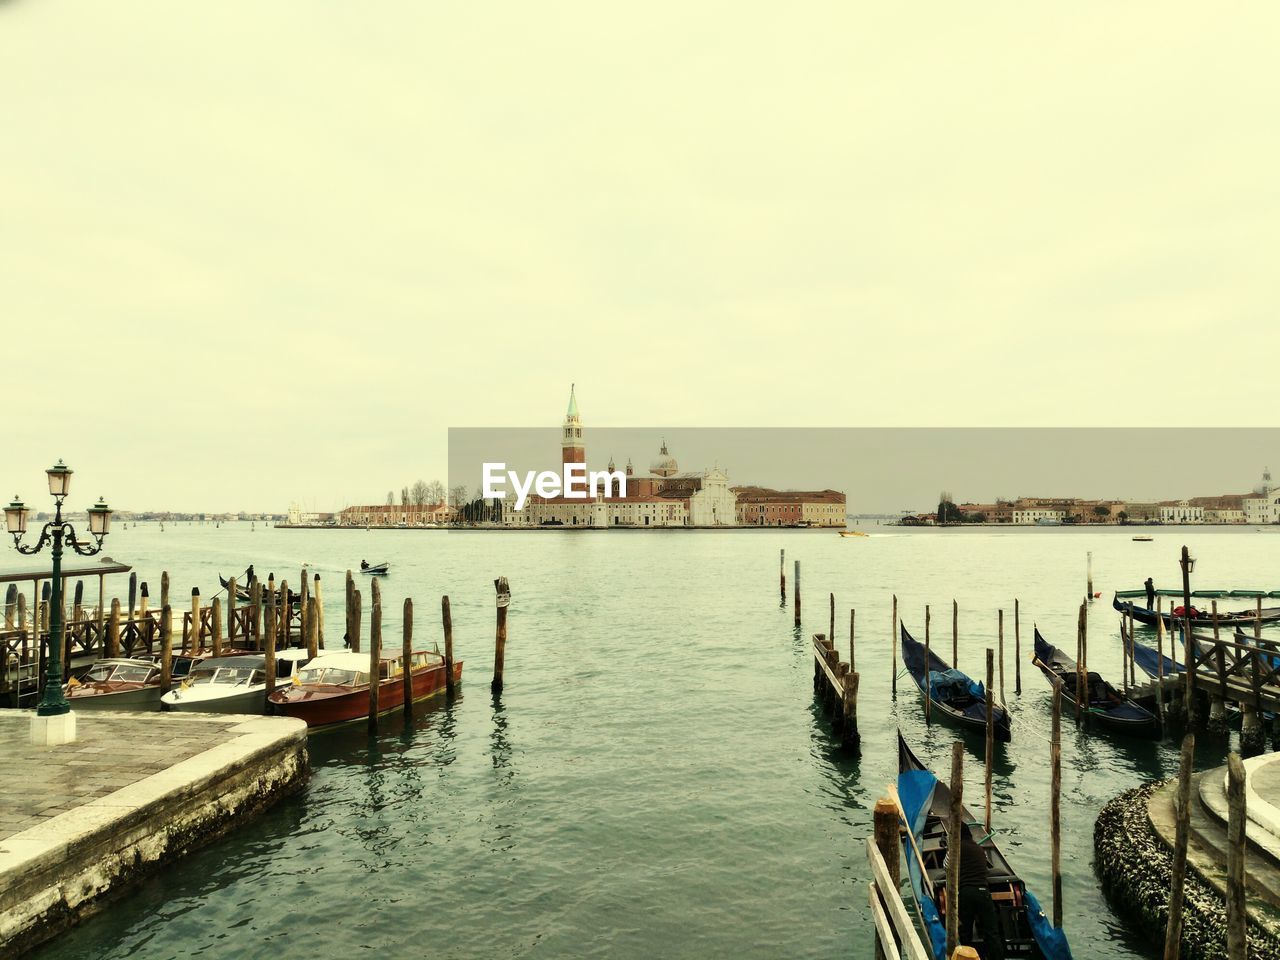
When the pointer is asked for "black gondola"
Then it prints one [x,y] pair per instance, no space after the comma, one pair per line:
[1200,618]
[953,694]
[1106,705]
[925,802]
[243,595]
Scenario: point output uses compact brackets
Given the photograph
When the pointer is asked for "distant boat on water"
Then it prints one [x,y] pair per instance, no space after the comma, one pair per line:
[1048,522]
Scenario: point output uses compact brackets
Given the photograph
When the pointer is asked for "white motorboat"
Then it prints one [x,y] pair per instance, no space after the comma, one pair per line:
[234,684]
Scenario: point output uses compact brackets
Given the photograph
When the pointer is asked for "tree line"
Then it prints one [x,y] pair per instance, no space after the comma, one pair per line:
[422,493]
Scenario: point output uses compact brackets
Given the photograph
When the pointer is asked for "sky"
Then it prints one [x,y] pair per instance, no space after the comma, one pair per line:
[259,254]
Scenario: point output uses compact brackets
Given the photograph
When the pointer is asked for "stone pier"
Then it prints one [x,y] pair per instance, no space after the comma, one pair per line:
[136,790]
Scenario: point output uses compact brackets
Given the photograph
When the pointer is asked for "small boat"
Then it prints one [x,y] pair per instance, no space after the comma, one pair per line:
[375,569]
[1048,522]
[235,684]
[851,533]
[952,693]
[1142,539]
[1106,705]
[334,687]
[1199,618]
[925,802]
[125,683]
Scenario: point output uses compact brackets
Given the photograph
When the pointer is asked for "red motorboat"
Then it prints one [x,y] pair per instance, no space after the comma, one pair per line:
[334,687]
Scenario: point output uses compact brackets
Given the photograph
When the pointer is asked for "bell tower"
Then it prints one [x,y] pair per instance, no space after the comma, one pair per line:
[571,448]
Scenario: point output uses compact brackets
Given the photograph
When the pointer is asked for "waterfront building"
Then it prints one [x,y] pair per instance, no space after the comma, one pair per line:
[1034,514]
[395,515]
[1263,505]
[763,507]
[1181,511]
[665,497]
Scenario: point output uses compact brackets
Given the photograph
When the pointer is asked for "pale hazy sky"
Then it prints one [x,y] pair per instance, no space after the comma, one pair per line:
[254,253]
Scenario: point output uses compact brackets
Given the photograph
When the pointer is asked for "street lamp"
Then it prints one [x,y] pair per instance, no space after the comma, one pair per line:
[57,532]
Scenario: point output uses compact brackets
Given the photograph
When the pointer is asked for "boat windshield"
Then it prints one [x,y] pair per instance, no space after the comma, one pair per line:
[231,675]
[129,672]
[333,676]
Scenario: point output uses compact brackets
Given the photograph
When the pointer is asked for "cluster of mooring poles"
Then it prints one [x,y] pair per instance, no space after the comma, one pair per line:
[1225,678]
[261,617]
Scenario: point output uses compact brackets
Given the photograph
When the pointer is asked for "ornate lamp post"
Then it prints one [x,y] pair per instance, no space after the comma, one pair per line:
[58,532]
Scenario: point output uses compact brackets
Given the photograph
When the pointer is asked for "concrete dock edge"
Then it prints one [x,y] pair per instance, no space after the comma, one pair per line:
[64,869]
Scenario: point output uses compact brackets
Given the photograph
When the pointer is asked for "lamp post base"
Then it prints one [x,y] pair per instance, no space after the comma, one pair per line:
[53,731]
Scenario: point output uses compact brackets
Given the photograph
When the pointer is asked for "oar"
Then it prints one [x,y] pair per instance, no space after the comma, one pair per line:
[910,836]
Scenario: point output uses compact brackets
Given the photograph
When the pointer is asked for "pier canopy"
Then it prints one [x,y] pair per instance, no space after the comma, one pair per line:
[103,568]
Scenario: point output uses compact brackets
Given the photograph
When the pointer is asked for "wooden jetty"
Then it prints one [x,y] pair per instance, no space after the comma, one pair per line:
[837,684]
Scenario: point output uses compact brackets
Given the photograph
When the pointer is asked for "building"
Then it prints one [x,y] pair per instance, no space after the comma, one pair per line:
[1034,514]
[1263,505]
[763,507]
[1181,511]
[396,515]
[664,497]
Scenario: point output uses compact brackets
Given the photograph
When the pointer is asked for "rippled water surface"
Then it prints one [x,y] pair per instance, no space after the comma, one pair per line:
[656,779]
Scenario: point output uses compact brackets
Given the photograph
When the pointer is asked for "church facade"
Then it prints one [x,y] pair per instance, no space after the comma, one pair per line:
[664,497]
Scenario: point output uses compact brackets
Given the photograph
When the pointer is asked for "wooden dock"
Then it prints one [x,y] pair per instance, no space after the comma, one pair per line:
[837,684]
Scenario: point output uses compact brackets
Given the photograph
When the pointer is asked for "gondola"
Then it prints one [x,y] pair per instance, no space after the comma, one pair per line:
[926,806]
[1149,661]
[952,693]
[375,569]
[1199,619]
[244,596]
[1106,705]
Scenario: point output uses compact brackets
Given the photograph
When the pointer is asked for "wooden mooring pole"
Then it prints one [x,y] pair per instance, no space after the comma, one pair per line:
[797,592]
[885,819]
[319,612]
[1017,647]
[853,663]
[166,650]
[955,825]
[406,659]
[955,634]
[1055,803]
[354,617]
[1237,917]
[990,746]
[197,642]
[1173,931]
[313,628]
[1080,684]
[1000,643]
[269,651]
[113,630]
[375,653]
[782,575]
[1088,576]
[831,627]
[500,637]
[928,660]
[446,619]
[1159,668]
[216,616]
[893,641]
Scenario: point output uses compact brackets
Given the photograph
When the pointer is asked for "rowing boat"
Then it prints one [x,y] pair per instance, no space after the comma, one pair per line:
[952,693]
[925,802]
[1106,705]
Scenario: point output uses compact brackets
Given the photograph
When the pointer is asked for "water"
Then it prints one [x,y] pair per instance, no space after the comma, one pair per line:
[656,779]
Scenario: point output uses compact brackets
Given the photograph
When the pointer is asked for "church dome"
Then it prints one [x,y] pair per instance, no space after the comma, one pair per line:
[664,465]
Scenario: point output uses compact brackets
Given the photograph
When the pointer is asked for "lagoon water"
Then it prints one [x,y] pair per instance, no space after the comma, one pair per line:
[656,780]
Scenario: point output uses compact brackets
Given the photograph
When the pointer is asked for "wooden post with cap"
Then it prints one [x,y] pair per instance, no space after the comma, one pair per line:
[446,618]
[406,654]
[503,599]
[954,826]
[375,653]
[797,592]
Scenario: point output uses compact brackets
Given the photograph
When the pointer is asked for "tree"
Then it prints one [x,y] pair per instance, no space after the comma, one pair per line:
[391,498]
[1101,510]
[435,492]
[948,512]
[418,493]
[1123,515]
[458,496]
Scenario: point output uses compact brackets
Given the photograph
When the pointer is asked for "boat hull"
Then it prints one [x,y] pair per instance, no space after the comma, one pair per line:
[345,704]
[249,701]
[136,698]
